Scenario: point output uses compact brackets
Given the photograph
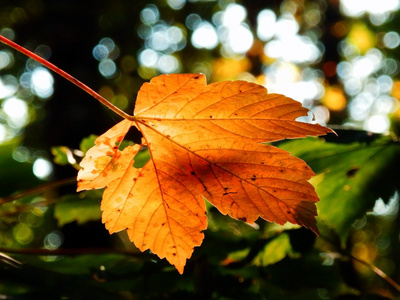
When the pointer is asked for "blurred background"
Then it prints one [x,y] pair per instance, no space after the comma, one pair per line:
[339,58]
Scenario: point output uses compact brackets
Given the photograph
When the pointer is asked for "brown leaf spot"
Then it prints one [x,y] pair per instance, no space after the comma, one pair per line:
[350,173]
[244,219]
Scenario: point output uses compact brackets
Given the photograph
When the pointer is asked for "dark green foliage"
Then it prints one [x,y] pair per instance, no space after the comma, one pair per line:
[349,172]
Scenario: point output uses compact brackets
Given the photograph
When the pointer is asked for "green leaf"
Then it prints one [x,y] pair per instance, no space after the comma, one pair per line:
[76,209]
[62,155]
[274,251]
[238,255]
[141,157]
[350,176]
[87,143]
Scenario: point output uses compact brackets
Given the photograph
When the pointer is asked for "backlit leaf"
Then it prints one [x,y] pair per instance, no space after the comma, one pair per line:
[350,175]
[203,141]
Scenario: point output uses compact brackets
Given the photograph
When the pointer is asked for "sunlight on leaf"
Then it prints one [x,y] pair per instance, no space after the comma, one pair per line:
[203,140]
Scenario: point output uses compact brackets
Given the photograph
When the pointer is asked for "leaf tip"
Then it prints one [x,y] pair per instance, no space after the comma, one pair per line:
[315,230]
[180,269]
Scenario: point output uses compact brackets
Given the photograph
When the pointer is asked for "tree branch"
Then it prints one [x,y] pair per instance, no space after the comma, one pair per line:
[64,74]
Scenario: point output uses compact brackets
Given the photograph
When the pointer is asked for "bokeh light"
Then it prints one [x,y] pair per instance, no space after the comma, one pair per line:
[233,31]
[53,240]
[306,51]
[391,39]
[150,14]
[8,86]
[176,4]
[106,52]
[16,111]
[334,99]
[6,59]
[205,36]
[161,41]
[42,82]
[23,234]
[100,52]
[168,64]
[379,10]
[42,168]
[266,22]
[107,67]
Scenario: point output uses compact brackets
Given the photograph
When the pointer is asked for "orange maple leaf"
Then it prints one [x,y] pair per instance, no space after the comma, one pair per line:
[204,141]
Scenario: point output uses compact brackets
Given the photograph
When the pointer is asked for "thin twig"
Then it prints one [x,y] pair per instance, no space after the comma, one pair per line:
[64,74]
[378,272]
[375,269]
[38,189]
